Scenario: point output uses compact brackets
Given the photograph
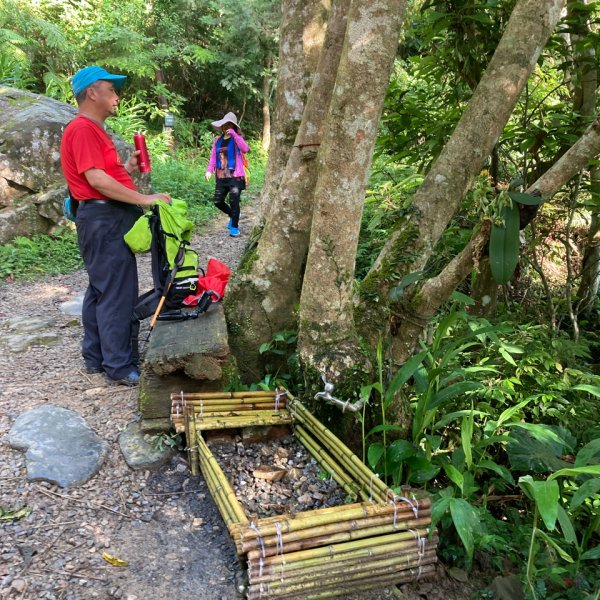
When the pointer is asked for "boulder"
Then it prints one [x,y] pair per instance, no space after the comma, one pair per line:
[31,182]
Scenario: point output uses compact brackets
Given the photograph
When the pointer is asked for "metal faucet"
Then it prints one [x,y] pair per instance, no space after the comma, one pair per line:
[347,405]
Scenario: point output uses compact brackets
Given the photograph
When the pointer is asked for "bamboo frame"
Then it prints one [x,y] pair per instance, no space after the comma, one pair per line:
[318,553]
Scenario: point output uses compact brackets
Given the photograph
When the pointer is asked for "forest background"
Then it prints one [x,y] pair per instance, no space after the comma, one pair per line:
[478,366]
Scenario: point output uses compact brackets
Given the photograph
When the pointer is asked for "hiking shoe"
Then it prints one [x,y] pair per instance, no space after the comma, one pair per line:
[234,232]
[131,380]
[94,370]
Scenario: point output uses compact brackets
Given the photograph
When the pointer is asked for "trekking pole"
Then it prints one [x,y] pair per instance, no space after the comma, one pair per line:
[176,264]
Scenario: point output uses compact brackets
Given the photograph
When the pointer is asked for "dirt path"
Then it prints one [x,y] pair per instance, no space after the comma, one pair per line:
[163,523]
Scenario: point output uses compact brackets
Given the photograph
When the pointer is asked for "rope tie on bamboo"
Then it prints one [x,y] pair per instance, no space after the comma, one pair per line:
[261,564]
[393,502]
[418,575]
[278,539]
[420,543]
[414,508]
[260,539]
[201,408]
[331,551]
[278,395]
[371,486]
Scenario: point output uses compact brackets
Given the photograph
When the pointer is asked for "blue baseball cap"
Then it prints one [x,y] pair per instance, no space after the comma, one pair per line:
[85,77]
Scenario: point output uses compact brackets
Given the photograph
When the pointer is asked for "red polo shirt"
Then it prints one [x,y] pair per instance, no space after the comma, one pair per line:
[84,146]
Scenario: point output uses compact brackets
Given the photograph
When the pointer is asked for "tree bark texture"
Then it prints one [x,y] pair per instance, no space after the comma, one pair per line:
[301,35]
[262,295]
[266,109]
[326,304]
[438,198]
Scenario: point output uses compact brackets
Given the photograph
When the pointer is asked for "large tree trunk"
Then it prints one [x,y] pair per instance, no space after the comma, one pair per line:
[301,35]
[439,197]
[262,296]
[327,339]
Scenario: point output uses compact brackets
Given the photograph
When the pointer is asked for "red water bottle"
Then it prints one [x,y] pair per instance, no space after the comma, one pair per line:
[139,141]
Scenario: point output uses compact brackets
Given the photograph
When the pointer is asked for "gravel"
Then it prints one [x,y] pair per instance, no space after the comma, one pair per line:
[163,524]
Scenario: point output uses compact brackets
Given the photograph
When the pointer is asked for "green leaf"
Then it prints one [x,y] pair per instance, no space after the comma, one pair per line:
[592,554]
[562,553]
[590,389]
[386,427]
[452,391]
[500,470]
[586,489]
[374,454]
[465,519]
[421,470]
[439,509]
[590,451]
[466,435]
[566,526]
[587,470]
[400,450]
[397,291]
[527,199]
[507,357]
[509,412]
[457,415]
[402,376]
[455,476]
[504,245]
[533,447]
[545,495]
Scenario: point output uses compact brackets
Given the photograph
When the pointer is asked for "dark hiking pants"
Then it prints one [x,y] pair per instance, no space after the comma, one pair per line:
[233,187]
[107,314]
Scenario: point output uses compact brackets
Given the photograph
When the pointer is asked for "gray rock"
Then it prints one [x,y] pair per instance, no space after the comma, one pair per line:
[60,447]
[22,341]
[139,452]
[72,307]
[29,324]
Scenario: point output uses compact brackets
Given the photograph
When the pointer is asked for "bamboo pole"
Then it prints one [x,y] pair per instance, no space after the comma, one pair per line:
[218,395]
[240,422]
[324,516]
[279,589]
[403,521]
[399,562]
[193,443]
[375,552]
[213,466]
[327,551]
[332,443]
[228,402]
[313,538]
[341,590]
[320,454]
[329,464]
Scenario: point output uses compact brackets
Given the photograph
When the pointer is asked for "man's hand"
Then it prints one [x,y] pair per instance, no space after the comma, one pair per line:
[132,162]
[153,197]
[208,175]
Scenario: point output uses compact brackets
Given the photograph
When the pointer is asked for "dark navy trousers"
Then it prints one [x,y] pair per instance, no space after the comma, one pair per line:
[110,330]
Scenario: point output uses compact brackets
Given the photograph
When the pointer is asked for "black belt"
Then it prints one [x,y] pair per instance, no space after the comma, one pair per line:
[97,201]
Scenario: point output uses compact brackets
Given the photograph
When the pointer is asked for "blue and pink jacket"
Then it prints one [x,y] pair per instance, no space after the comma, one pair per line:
[240,147]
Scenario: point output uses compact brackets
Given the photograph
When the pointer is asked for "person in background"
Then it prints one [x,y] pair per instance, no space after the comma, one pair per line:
[226,161]
[108,206]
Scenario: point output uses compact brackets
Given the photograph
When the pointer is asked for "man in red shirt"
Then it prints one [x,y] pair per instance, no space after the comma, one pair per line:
[108,206]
